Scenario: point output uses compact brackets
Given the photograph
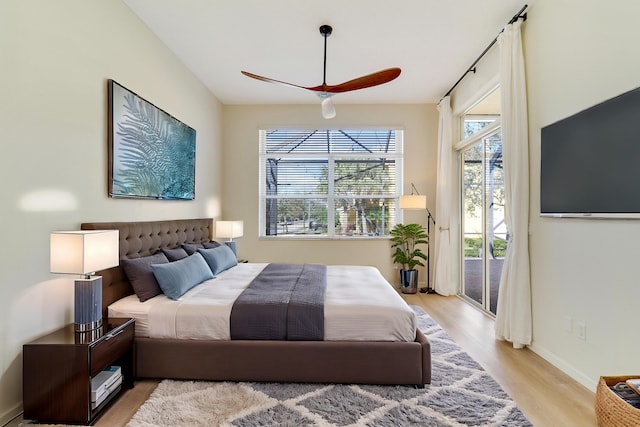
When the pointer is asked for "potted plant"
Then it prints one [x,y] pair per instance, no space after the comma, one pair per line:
[406,238]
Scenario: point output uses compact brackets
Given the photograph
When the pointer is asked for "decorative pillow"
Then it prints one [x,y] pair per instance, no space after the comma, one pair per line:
[211,244]
[219,259]
[140,275]
[175,254]
[176,278]
[191,248]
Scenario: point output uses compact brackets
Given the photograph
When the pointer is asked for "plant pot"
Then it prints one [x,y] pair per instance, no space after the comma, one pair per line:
[409,281]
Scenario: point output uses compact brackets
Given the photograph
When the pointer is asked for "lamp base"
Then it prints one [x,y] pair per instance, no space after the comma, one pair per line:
[88,304]
[87,327]
[427,291]
[232,245]
[86,337]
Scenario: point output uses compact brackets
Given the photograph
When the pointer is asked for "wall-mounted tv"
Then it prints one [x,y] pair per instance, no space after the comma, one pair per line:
[590,162]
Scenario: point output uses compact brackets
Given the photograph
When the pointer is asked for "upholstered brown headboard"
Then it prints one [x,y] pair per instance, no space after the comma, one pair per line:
[139,239]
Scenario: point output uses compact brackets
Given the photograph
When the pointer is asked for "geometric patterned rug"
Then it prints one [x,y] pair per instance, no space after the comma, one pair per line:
[461,393]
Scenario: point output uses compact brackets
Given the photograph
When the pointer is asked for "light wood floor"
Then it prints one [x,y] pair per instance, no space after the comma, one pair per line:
[547,396]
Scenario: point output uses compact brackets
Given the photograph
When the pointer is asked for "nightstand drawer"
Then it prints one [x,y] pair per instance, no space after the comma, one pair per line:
[110,347]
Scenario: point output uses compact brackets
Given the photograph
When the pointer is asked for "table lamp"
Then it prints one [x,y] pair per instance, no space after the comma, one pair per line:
[229,230]
[84,253]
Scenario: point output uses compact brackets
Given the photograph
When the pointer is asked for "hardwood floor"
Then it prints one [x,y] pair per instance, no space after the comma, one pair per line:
[548,397]
[121,412]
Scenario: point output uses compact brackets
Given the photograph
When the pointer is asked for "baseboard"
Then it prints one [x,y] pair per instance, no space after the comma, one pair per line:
[565,367]
[11,414]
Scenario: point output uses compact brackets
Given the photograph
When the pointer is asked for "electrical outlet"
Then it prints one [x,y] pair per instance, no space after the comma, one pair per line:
[568,324]
[581,330]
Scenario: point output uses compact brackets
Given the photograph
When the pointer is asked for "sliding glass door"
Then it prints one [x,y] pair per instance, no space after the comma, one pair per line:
[484,232]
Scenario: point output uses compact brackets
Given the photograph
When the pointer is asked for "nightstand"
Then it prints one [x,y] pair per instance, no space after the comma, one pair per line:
[58,368]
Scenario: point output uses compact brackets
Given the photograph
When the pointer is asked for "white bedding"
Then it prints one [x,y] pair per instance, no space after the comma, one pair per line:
[360,305]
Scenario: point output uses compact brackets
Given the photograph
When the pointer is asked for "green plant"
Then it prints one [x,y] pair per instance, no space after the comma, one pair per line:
[405,238]
[473,247]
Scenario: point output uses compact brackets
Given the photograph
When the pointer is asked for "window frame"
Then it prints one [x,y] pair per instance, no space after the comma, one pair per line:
[331,158]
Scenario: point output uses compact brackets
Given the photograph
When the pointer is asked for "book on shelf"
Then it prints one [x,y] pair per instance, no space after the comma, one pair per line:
[105,383]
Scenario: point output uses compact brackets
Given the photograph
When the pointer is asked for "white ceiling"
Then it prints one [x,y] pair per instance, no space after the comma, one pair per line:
[433,41]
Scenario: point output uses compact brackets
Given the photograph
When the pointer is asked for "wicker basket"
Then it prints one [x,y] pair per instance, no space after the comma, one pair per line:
[612,411]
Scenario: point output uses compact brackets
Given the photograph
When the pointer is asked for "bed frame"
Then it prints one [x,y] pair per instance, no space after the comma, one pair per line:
[351,362]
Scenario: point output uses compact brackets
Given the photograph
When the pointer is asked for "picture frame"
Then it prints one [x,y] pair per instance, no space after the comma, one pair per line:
[151,153]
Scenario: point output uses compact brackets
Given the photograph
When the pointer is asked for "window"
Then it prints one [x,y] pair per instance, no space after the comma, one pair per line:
[484,234]
[483,114]
[475,123]
[329,183]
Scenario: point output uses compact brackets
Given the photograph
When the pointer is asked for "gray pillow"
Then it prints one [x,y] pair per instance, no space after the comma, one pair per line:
[175,254]
[140,275]
[176,278]
[211,244]
[191,248]
[219,259]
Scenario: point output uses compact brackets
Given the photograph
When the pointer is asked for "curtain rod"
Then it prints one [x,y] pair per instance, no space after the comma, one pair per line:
[472,68]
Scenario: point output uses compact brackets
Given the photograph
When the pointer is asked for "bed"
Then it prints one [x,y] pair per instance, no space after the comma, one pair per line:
[344,359]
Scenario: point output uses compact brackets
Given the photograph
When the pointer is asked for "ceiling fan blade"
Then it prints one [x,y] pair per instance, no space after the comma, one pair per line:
[325,91]
[269,80]
[373,79]
[328,110]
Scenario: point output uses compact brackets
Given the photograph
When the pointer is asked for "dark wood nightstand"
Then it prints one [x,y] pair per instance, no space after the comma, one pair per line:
[58,368]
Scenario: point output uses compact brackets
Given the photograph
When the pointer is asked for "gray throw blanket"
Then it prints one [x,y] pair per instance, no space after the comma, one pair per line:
[283,302]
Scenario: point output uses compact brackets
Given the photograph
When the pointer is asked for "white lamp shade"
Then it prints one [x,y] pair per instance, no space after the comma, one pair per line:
[229,229]
[83,252]
[413,201]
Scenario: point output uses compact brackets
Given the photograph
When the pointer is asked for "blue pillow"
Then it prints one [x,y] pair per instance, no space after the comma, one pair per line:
[219,259]
[176,278]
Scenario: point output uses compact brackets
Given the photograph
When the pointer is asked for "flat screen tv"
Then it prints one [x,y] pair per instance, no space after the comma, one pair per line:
[590,162]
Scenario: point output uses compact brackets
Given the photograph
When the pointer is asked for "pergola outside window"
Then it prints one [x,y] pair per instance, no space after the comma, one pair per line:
[329,183]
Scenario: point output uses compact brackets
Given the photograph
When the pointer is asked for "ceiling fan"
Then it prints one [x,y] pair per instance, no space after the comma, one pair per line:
[325,91]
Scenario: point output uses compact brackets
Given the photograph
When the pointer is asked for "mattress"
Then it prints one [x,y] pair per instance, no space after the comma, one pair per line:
[360,305]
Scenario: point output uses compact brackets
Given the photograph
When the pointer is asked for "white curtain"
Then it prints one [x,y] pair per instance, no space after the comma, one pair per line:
[443,275]
[513,318]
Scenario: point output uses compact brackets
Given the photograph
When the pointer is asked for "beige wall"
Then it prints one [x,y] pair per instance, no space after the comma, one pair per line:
[576,56]
[240,166]
[55,59]
[579,54]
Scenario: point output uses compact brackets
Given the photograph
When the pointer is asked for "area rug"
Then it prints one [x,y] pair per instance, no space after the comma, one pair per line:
[461,394]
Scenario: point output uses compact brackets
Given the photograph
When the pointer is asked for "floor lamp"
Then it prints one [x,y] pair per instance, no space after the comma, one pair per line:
[419,202]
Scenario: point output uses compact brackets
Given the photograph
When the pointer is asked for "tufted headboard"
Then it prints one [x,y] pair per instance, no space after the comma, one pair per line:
[139,239]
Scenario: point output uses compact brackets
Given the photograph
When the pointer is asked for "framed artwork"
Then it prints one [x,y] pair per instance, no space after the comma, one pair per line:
[152,154]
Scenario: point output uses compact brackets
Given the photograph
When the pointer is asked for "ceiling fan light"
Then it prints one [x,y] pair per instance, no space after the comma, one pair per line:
[328,110]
